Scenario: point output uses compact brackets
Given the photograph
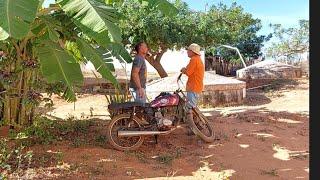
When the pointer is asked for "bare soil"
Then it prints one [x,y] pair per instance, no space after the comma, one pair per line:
[265,138]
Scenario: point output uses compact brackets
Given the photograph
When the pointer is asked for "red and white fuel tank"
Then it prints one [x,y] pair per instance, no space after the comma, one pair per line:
[165,99]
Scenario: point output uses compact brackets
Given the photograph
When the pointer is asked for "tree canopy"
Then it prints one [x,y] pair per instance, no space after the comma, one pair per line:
[50,43]
[220,25]
[232,26]
[291,41]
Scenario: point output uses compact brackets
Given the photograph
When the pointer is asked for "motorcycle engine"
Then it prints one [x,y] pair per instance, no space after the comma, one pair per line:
[164,118]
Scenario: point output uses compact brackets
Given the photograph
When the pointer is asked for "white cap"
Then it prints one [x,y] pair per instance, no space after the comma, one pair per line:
[194,48]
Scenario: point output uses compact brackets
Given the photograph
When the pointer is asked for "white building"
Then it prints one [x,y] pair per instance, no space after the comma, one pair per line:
[172,62]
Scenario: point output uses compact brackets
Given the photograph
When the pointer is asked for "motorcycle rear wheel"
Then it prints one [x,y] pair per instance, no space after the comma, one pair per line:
[124,122]
[200,126]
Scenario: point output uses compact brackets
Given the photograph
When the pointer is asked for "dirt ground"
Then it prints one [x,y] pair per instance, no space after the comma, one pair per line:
[265,138]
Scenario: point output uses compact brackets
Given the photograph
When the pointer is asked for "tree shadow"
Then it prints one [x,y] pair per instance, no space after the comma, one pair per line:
[263,114]
[276,84]
[174,151]
[256,98]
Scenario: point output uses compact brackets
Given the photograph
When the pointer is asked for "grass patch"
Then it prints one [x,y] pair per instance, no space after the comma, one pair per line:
[78,142]
[45,159]
[97,170]
[101,140]
[272,172]
[167,158]
[139,155]
[46,131]
[13,159]
[59,157]
[225,137]
[85,157]
[262,138]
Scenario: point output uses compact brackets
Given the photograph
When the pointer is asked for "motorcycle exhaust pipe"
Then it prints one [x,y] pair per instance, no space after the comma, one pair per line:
[143,133]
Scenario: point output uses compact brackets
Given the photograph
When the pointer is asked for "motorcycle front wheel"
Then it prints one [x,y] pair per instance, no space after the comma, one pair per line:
[200,126]
[124,122]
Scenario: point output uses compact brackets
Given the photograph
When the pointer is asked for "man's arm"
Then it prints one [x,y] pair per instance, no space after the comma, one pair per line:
[190,68]
[135,77]
[136,65]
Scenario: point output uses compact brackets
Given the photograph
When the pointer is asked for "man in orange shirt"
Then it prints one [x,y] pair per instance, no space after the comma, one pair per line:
[195,73]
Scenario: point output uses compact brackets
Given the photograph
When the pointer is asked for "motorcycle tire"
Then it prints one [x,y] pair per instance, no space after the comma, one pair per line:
[114,140]
[197,126]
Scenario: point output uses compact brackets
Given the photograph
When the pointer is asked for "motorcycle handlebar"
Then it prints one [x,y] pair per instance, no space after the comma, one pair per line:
[179,77]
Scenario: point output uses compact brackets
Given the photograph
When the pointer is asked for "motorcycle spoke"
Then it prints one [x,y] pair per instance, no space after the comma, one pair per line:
[201,124]
[125,124]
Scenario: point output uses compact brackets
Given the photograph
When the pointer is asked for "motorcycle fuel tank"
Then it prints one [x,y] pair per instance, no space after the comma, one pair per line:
[165,100]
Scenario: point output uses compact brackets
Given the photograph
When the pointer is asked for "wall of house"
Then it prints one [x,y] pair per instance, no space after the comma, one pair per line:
[172,61]
[224,95]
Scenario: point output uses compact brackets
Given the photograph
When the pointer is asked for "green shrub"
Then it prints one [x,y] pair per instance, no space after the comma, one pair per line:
[13,159]
[47,131]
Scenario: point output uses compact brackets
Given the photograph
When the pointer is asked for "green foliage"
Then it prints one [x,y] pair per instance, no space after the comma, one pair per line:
[81,126]
[139,155]
[145,22]
[164,6]
[73,48]
[103,63]
[56,39]
[232,26]
[167,158]
[40,131]
[13,159]
[46,131]
[78,142]
[94,15]
[119,96]
[291,41]
[16,16]
[101,140]
[220,25]
[57,65]
[117,50]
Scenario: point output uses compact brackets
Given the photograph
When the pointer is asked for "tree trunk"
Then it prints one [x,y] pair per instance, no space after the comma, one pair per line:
[17,112]
[154,60]
[158,66]
[18,106]
[209,61]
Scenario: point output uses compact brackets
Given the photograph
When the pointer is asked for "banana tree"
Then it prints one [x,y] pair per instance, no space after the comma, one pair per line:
[49,44]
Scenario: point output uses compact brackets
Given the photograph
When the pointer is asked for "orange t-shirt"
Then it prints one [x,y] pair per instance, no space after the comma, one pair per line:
[195,73]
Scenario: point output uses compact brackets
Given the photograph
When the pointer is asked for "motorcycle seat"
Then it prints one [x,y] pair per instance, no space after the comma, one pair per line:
[125,105]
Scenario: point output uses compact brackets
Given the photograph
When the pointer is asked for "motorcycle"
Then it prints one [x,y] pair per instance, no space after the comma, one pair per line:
[131,122]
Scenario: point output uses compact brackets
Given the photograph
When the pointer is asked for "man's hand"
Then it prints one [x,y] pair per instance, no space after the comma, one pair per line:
[183,70]
[140,93]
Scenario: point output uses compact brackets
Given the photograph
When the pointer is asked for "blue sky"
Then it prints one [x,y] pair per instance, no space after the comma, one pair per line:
[285,12]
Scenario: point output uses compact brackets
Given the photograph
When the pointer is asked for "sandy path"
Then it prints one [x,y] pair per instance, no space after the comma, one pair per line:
[266,138]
